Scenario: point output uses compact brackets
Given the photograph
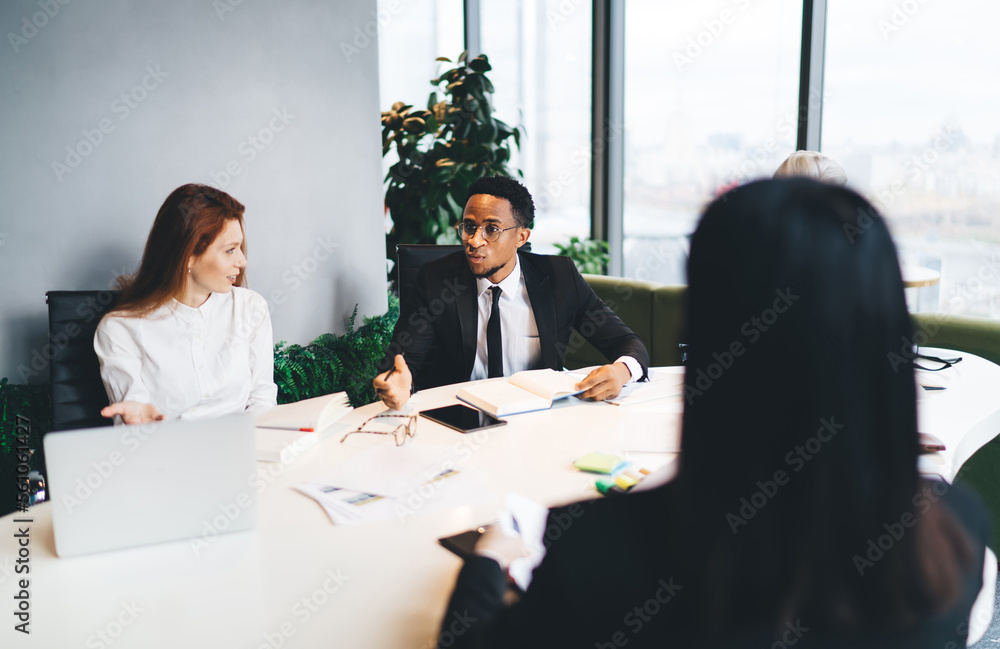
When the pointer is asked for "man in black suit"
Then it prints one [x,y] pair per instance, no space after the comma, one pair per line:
[492,310]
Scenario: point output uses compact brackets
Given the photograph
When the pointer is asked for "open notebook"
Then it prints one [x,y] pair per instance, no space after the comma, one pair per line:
[285,431]
[522,392]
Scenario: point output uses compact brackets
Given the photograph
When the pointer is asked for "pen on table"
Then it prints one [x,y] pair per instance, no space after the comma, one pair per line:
[295,428]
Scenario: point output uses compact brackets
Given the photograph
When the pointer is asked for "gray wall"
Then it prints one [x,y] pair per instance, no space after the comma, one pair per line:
[149,95]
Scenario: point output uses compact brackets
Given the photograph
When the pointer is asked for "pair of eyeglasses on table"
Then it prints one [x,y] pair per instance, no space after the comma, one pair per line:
[400,433]
[937,363]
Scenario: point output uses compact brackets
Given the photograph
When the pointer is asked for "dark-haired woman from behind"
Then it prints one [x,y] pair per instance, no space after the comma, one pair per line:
[185,339]
[798,459]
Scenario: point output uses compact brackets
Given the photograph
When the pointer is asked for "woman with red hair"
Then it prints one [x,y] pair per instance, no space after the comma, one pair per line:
[186,340]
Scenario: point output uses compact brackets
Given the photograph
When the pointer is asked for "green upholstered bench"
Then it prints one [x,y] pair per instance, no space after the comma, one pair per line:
[653,311]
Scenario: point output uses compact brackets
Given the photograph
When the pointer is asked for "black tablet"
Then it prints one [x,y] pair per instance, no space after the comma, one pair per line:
[462,418]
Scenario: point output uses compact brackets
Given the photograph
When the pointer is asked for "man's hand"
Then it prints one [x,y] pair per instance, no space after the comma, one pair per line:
[605,382]
[133,412]
[393,387]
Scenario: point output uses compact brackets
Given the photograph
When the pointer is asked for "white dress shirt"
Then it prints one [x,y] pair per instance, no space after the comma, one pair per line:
[522,348]
[191,363]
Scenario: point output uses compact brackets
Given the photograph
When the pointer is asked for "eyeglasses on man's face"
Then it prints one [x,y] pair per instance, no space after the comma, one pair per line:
[491,231]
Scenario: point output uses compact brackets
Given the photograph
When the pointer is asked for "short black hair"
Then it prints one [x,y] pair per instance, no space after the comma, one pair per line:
[514,192]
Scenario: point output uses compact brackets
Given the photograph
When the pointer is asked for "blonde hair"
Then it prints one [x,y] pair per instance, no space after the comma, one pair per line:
[812,164]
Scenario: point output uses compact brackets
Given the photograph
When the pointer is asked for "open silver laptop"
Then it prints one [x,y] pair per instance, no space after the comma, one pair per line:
[122,486]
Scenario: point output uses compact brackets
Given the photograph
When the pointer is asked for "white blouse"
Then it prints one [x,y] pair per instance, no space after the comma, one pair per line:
[191,363]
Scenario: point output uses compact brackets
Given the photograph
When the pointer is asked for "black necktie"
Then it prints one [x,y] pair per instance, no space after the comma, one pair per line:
[494,344]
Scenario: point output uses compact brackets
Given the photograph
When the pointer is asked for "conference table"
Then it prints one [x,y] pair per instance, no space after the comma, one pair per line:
[298,581]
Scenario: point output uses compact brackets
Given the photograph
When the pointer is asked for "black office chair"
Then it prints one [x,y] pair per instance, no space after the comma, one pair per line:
[78,394]
[410,257]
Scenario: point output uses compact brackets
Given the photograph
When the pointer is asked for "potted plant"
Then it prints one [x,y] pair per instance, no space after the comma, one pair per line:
[442,149]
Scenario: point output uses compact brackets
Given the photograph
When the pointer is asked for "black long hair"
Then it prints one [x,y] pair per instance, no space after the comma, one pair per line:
[800,436]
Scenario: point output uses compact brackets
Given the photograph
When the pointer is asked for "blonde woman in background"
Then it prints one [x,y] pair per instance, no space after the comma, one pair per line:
[812,164]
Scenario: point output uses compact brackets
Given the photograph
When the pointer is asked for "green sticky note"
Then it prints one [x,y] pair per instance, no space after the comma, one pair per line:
[600,463]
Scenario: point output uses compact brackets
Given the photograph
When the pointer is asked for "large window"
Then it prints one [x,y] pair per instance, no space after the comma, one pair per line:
[913,94]
[711,89]
[411,34]
[711,95]
[541,56]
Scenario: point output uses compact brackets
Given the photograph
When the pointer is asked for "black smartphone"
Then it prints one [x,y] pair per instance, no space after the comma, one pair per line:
[463,418]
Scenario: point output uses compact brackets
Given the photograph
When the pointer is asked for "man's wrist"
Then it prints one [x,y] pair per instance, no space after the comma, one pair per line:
[633,366]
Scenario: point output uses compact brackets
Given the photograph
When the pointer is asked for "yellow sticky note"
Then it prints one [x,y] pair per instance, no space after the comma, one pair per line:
[600,463]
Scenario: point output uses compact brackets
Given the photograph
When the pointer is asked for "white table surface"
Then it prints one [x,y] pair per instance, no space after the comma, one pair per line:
[965,416]
[298,581]
[266,587]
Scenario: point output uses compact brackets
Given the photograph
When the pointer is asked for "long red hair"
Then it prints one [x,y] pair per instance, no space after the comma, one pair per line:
[187,223]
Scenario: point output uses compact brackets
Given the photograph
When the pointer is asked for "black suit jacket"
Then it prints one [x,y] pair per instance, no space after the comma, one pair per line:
[612,577]
[437,326]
